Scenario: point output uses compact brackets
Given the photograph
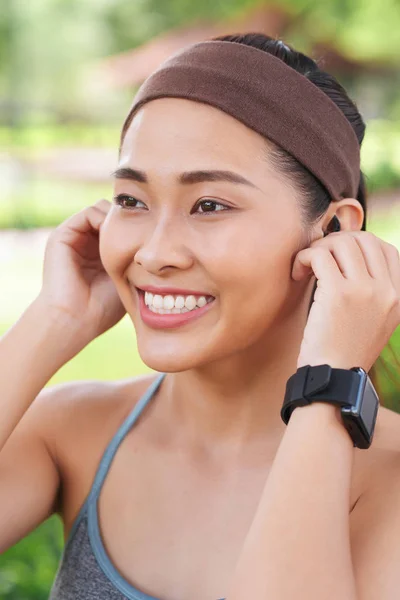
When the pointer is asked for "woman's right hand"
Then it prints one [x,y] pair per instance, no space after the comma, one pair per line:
[75,284]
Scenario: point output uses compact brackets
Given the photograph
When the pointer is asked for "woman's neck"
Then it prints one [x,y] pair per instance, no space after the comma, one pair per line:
[233,404]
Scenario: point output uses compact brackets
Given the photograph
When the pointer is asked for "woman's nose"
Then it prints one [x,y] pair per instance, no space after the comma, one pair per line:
[164,246]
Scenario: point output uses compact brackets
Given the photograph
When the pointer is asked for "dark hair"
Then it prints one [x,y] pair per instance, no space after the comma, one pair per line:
[314,197]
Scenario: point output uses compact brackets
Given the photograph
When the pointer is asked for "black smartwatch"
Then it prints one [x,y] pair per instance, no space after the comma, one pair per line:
[351,389]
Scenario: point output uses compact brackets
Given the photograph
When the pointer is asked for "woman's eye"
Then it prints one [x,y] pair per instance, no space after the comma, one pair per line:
[209,205]
[121,198]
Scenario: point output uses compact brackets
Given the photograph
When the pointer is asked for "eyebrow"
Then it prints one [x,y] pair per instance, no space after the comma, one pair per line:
[188,177]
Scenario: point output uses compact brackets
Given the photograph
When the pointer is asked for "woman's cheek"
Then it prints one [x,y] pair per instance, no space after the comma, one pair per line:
[116,246]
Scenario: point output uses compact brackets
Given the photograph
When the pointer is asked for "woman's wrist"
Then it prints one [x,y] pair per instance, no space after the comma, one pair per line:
[322,415]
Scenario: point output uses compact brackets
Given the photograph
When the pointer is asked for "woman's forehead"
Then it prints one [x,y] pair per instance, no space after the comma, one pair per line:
[188,121]
[191,135]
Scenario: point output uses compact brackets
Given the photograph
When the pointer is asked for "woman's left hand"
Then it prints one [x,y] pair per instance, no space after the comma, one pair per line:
[356,305]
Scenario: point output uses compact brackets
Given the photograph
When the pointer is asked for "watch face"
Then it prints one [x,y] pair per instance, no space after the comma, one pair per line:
[369,407]
[363,413]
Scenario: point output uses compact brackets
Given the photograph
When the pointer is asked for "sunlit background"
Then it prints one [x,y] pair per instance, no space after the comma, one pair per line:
[68,72]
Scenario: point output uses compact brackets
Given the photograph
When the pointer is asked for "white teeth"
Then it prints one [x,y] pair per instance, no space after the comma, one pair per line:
[170,304]
[190,302]
[158,301]
[179,302]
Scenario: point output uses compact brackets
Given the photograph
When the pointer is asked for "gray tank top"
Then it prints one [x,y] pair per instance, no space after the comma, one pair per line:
[85,571]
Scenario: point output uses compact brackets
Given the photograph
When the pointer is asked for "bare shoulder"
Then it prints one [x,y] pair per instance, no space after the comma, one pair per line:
[374,469]
[79,407]
[82,418]
[377,471]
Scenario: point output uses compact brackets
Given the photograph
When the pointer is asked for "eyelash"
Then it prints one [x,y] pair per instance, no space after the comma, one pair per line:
[119,199]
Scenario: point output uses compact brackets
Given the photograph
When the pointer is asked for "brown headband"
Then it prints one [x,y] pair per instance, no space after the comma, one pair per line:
[268,96]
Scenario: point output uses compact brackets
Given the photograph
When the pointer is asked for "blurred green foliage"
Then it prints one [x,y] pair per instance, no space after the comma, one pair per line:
[31,139]
[380,154]
[47,45]
[41,202]
[28,569]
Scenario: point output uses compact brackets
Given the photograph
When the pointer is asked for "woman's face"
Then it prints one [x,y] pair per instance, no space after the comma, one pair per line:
[233,241]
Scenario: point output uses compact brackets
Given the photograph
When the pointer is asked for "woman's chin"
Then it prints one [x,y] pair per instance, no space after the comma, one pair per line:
[175,351]
[167,363]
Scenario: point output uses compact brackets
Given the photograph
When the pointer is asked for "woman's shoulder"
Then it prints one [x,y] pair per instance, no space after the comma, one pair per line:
[376,467]
[85,413]
[89,396]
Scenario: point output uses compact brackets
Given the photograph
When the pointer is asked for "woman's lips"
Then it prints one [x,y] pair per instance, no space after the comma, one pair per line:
[169,321]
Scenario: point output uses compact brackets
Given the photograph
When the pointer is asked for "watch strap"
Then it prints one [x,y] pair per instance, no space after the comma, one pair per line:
[321,383]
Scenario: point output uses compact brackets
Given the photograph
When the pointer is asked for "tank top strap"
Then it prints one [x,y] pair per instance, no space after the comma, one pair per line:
[113,445]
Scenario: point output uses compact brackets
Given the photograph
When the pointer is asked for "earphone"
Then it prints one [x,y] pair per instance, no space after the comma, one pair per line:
[333,225]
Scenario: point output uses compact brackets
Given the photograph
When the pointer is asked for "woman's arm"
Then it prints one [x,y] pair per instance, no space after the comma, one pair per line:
[298,546]
[31,352]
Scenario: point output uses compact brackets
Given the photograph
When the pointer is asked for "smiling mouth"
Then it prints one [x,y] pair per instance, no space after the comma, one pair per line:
[174,304]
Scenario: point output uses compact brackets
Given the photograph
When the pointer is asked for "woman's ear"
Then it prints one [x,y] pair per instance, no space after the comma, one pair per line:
[350,213]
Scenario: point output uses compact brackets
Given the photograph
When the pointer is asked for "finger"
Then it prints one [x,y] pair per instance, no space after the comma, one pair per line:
[347,253]
[374,256]
[103,204]
[78,228]
[392,257]
[317,260]
[87,220]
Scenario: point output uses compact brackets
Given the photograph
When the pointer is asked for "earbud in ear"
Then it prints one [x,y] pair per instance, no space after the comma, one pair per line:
[333,225]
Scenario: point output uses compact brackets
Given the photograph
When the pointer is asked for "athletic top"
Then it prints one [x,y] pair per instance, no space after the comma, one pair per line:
[85,571]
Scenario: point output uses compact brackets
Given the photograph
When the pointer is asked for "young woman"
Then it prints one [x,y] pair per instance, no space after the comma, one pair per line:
[187,483]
